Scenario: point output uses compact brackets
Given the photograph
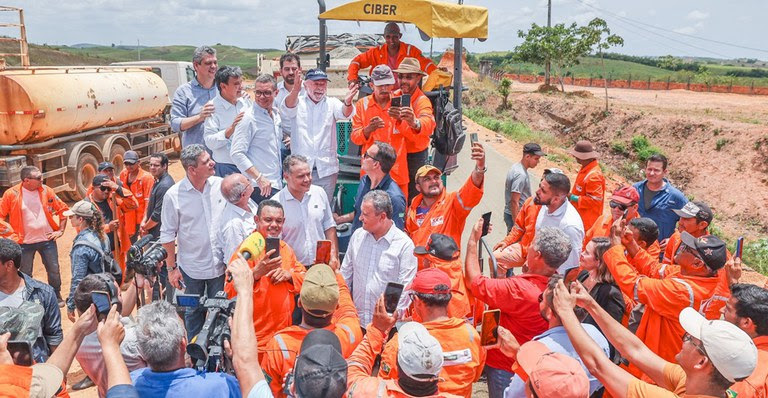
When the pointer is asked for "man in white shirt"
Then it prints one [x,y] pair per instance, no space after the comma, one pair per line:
[378,253]
[237,220]
[313,120]
[256,142]
[191,208]
[558,212]
[230,106]
[308,215]
[290,67]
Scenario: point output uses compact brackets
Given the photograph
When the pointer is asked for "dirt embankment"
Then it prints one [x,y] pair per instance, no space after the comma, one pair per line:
[717,143]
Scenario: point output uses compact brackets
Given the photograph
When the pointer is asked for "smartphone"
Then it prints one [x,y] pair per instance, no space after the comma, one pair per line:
[273,244]
[102,303]
[405,100]
[21,352]
[490,329]
[396,101]
[323,252]
[473,138]
[486,223]
[392,294]
[739,247]
[188,300]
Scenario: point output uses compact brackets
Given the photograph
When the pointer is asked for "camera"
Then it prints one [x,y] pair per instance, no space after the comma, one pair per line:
[207,348]
[144,255]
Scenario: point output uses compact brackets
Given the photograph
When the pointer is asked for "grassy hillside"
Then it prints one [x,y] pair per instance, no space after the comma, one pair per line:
[50,56]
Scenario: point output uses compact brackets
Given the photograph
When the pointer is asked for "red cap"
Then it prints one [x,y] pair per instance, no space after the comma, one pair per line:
[427,280]
[625,195]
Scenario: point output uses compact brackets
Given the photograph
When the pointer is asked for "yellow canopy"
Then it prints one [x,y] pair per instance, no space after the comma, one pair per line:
[434,18]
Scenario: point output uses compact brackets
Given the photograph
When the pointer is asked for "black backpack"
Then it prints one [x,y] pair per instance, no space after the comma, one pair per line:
[108,263]
[448,136]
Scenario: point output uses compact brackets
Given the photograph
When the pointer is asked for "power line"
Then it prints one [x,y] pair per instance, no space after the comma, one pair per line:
[624,25]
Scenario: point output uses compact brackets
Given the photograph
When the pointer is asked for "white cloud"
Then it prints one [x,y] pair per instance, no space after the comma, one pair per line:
[697,15]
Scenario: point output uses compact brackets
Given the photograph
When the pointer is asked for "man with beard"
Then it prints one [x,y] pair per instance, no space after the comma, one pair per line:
[256,142]
[557,212]
[313,120]
[290,67]
[192,102]
[435,211]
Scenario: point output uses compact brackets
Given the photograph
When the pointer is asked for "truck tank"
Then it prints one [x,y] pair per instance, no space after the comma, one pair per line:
[38,104]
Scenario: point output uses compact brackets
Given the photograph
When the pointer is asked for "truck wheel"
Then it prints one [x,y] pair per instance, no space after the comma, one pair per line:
[116,157]
[87,168]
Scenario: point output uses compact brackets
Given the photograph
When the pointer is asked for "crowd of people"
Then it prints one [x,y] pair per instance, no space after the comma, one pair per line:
[629,298]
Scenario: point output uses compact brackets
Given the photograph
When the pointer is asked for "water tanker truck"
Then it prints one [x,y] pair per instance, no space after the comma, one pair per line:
[65,120]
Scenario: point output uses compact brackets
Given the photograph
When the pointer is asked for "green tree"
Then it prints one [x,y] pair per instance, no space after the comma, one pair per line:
[560,45]
[504,91]
[596,36]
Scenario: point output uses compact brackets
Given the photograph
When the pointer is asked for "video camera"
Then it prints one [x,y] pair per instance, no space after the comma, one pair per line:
[207,348]
[143,260]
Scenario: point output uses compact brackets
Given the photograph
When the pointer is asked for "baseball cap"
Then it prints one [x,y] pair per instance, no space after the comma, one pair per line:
[700,210]
[130,157]
[426,169]
[427,280]
[533,149]
[105,165]
[382,75]
[81,208]
[320,291]
[625,194]
[98,179]
[710,248]
[320,368]
[419,354]
[731,350]
[317,74]
[552,374]
[46,380]
[440,246]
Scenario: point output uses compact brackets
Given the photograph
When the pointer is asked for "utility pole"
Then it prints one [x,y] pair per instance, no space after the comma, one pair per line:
[549,25]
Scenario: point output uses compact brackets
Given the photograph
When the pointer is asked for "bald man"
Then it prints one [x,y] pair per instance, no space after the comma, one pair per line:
[237,220]
[391,53]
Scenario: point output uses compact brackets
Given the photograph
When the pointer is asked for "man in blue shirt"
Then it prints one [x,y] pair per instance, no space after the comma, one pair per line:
[192,102]
[658,198]
[162,343]
[556,339]
[376,163]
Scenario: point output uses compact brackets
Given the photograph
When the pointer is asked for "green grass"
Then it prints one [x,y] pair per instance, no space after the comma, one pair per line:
[756,255]
[514,130]
[643,148]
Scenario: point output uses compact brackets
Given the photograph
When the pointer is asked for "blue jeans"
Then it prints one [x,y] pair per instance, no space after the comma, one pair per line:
[50,255]
[509,221]
[498,381]
[195,317]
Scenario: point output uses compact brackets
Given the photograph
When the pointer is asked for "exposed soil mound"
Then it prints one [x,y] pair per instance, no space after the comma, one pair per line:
[448,61]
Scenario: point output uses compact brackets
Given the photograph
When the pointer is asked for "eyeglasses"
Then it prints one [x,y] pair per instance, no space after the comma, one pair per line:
[688,338]
[617,205]
[38,178]
[262,93]
[105,189]
[366,155]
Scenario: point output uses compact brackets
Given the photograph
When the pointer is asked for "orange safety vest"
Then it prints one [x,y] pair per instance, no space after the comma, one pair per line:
[379,55]
[756,385]
[524,229]
[422,108]
[460,305]
[10,207]
[590,188]
[141,189]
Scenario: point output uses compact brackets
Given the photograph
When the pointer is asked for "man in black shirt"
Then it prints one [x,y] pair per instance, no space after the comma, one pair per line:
[158,167]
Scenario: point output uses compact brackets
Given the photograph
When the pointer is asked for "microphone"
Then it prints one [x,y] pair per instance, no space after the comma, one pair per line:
[252,248]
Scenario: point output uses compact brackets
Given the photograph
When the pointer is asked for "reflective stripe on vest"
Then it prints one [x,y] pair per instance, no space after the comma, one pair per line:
[283,347]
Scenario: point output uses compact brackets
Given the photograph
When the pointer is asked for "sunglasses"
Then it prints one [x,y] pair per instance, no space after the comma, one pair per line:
[366,155]
[105,189]
[617,205]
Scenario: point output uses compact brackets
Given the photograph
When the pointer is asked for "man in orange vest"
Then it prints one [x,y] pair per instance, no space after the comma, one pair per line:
[434,210]
[30,207]
[588,192]
[432,296]
[391,53]
[140,183]
[442,252]
[748,309]
[624,199]
[417,116]
[512,251]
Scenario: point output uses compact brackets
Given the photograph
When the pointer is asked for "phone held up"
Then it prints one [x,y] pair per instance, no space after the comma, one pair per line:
[392,294]
[323,252]
[273,244]
[101,301]
[486,223]
[490,329]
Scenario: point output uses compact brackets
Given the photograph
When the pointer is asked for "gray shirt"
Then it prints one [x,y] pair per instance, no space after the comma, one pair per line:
[518,181]
[189,100]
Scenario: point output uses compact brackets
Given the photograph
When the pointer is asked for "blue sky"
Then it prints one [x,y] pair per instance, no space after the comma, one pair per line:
[649,27]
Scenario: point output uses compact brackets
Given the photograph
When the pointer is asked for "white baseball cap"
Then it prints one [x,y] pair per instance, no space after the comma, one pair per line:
[419,353]
[731,350]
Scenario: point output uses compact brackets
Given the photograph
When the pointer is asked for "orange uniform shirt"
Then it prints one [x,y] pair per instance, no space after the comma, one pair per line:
[464,357]
[756,385]
[379,55]
[659,327]
[422,108]
[447,215]
[141,188]
[525,226]
[282,350]
[10,207]
[590,188]
[275,301]
[359,380]
[460,305]
[124,205]
[673,386]
[674,242]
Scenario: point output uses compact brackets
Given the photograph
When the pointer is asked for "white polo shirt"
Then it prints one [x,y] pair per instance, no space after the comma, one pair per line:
[567,219]
[306,221]
[216,125]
